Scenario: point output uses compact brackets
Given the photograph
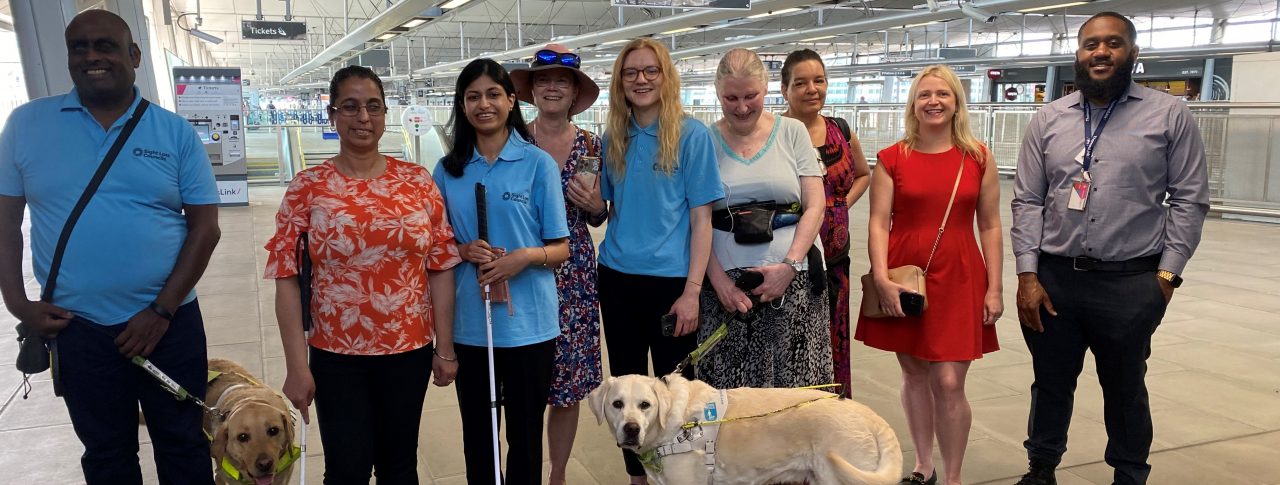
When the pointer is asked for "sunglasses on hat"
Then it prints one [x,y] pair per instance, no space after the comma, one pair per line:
[548,57]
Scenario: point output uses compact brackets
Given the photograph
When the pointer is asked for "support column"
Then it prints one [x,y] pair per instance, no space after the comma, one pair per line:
[1206,78]
[1051,84]
[40,25]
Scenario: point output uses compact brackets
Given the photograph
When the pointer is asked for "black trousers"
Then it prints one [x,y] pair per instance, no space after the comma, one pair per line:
[630,309]
[523,380]
[369,408]
[103,391]
[1112,314]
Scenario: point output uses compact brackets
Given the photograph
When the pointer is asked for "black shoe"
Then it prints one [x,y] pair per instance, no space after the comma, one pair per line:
[918,479]
[1038,474]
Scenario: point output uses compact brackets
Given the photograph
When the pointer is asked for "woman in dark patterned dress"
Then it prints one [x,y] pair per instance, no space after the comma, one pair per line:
[804,86]
[560,90]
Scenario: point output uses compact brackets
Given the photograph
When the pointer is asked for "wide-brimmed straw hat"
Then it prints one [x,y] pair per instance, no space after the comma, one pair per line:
[588,91]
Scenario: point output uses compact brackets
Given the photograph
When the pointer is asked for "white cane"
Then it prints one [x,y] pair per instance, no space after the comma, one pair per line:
[482,219]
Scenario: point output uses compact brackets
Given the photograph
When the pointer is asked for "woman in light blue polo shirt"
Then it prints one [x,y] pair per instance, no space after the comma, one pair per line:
[526,219]
[661,177]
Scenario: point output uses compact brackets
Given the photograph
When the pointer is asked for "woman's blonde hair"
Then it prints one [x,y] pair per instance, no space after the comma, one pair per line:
[670,116]
[741,63]
[961,134]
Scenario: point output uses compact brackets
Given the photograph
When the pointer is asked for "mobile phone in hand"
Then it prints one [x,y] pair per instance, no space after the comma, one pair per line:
[668,325]
[749,280]
[587,169]
[912,303]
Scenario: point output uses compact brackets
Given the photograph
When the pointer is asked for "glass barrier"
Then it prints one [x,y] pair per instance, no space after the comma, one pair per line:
[1242,141]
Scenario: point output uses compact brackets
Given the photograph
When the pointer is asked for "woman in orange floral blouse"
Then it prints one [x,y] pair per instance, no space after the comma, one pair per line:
[382,292]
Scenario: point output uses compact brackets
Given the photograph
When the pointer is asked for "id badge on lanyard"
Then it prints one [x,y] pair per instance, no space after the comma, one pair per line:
[1082,186]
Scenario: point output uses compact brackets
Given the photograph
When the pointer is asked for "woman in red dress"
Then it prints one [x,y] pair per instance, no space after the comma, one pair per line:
[910,191]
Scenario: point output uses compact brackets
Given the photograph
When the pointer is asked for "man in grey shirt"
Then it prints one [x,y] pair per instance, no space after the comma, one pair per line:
[1098,254]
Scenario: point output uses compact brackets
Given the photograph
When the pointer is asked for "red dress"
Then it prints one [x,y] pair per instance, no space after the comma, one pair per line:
[951,329]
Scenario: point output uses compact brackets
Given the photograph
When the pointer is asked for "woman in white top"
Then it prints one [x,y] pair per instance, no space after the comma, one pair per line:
[783,337]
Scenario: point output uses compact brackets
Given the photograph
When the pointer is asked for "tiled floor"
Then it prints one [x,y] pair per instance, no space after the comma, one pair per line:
[1214,376]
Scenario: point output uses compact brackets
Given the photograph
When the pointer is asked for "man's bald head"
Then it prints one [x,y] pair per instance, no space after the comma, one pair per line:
[101,57]
[102,18]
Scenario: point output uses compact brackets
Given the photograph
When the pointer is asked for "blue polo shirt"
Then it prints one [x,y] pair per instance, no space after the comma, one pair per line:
[128,238]
[648,233]
[525,207]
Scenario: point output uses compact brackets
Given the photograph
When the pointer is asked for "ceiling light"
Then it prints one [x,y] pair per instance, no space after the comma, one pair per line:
[386,36]
[977,13]
[453,4]
[811,39]
[205,36]
[1051,7]
[413,23]
[921,24]
[613,42]
[774,12]
[679,30]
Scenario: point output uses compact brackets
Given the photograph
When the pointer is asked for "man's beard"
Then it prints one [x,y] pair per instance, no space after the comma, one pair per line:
[1105,89]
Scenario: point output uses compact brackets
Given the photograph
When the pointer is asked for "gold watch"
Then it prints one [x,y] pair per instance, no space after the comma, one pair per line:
[1173,279]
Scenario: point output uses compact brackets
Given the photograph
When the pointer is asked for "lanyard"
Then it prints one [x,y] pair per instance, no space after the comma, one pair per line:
[1090,136]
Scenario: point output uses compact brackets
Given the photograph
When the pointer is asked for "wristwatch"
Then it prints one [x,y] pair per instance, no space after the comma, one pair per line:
[1173,279]
[795,265]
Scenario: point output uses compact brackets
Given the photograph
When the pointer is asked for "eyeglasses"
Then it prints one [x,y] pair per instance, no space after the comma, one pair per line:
[630,74]
[375,109]
[559,82]
[548,57]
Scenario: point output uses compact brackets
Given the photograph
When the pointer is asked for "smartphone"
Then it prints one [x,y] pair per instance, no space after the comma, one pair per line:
[749,280]
[587,169]
[668,325]
[912,303]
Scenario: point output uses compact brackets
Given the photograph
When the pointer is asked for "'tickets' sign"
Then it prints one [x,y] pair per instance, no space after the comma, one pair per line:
[272,30]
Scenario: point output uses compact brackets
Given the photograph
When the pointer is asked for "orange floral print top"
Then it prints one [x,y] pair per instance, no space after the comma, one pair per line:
[372,242]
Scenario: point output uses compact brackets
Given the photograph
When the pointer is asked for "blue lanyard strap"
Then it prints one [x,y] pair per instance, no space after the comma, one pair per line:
[1090,136]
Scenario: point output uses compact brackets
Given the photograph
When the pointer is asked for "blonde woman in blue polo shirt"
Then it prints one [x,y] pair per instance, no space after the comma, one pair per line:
[526,215]
[660,176]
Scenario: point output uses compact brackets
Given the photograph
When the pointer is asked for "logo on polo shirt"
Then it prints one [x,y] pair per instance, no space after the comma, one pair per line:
[657,167]
[152,154]
[521,197]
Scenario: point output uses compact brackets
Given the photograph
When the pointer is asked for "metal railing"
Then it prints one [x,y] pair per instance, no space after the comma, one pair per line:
[1242,141]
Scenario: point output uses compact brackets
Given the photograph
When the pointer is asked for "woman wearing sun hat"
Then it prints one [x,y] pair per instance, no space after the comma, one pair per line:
[556,85]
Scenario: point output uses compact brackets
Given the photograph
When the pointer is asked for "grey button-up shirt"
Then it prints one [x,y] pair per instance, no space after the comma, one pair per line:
[1150,153]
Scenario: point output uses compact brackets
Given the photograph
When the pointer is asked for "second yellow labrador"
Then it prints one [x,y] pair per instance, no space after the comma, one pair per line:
[767,435]
[253,435]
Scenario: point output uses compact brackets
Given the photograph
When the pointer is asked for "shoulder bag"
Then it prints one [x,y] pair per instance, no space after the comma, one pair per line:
[35,353]
[910,276]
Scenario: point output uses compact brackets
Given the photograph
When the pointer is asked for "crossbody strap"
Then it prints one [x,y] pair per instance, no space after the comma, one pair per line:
[52,281]
[946,214]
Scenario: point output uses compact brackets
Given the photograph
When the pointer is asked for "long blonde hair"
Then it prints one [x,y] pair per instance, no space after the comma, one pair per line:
[670,116]
[961,134]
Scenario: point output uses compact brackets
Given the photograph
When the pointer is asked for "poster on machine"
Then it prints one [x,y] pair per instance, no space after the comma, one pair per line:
[209,98]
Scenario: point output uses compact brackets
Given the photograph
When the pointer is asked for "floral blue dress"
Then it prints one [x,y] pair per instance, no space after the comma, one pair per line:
[577,369]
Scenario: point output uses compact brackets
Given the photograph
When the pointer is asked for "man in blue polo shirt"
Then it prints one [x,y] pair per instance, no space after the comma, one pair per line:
[125,287]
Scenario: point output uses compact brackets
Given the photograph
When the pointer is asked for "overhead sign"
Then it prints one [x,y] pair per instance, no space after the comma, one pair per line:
[962,68]
[710,4]
[272,30]
[896,72]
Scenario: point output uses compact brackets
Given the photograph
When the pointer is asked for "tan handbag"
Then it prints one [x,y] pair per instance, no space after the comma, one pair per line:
[910,276]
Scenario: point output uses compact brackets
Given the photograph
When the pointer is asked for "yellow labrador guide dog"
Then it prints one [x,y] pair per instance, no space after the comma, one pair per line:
[252,436]
[685,435]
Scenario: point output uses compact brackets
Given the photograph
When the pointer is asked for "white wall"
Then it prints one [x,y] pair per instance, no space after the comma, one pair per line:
[1253,77]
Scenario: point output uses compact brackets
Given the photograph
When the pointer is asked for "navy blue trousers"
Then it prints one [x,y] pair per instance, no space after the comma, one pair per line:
[103,391]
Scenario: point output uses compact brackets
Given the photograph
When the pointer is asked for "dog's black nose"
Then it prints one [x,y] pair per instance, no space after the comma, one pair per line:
[631,429]
[265,465]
